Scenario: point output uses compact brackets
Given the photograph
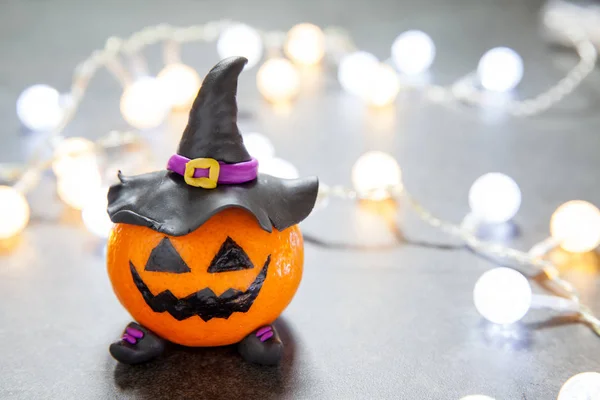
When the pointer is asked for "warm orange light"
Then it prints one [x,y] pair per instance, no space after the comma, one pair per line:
[14,212]
[278,80]
[181,84]
[305,44]
[576,226]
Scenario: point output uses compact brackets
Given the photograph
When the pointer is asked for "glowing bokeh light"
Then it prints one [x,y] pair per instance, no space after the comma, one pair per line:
[502,295]
[74,154]
[39,107]
[78,188]
[383,87]
[494,198]
[259,146]
[241,40]
[144,103]
[413,52]
[575,225]
[94,214]
[278,167]
[181,84]
[500,69]
[305,44]
[374,174]
[354,72]
[584,386]
[14,213]
[278,80]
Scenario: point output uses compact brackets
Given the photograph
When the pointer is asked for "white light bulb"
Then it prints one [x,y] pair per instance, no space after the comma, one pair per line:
[94,214]
[181,84]
[502,295]
[500,69]
[278,167]
[413,52]
[278,80]
[494,198]
[354,70]
[576,226]
[374,173]
[241,40]
[77,188]
[259,146]
[584,386]
[383,86]
[14,212]
[305,44]
[74,154]
[39,107]
[144,103]
[477,397]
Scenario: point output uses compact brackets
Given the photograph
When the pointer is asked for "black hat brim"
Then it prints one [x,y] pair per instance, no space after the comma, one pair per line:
[163,201]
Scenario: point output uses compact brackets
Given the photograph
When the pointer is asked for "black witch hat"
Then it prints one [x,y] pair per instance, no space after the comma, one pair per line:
[212,171]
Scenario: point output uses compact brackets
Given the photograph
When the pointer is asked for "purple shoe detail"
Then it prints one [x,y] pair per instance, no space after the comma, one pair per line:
[263,330]
[266,336]
[129,339]
[136,333]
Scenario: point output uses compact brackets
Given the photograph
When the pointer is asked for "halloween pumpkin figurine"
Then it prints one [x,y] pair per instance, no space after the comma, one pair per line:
[208,251]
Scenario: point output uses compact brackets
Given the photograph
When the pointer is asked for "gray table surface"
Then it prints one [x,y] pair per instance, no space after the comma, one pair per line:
[394,324]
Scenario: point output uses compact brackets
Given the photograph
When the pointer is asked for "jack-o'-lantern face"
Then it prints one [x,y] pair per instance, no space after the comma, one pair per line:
[210,287]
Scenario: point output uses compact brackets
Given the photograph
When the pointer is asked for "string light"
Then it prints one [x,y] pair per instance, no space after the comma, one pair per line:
[14,212]
[278,80]
[76,167]
[584,386]
[241,40]
[502,295]
[144,104]
[374,173]
[39,107]
[74,154]
[278,167]
[383,86]
[413,52]
[259,146]
[181,84]
[494,198]
[353,70]
[305,44]
[500,69]
[78,188]
[575,225]
[94,215]
[369,185]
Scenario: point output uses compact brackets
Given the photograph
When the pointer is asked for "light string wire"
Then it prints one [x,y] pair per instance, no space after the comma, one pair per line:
[463,90]
[115,47]
[525,259]
[534,262]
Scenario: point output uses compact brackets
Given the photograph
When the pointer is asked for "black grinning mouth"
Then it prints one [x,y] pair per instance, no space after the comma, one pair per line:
[204,303]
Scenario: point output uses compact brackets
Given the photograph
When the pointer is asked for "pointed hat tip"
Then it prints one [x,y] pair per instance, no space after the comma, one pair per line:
[234,60]
[212,127]
[228,68]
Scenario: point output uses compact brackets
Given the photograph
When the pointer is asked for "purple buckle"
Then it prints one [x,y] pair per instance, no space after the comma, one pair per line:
[207,172]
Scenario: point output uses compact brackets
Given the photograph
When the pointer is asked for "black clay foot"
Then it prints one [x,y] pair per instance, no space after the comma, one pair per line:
[137,345]
[262,346]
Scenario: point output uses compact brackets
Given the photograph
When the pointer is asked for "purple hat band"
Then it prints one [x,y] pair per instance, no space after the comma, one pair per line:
[207,172]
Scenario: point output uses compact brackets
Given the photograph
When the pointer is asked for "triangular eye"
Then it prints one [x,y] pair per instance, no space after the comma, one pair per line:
[164,258]
[230,257]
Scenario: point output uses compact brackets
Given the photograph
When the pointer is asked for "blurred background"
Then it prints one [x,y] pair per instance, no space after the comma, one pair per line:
[396,320]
